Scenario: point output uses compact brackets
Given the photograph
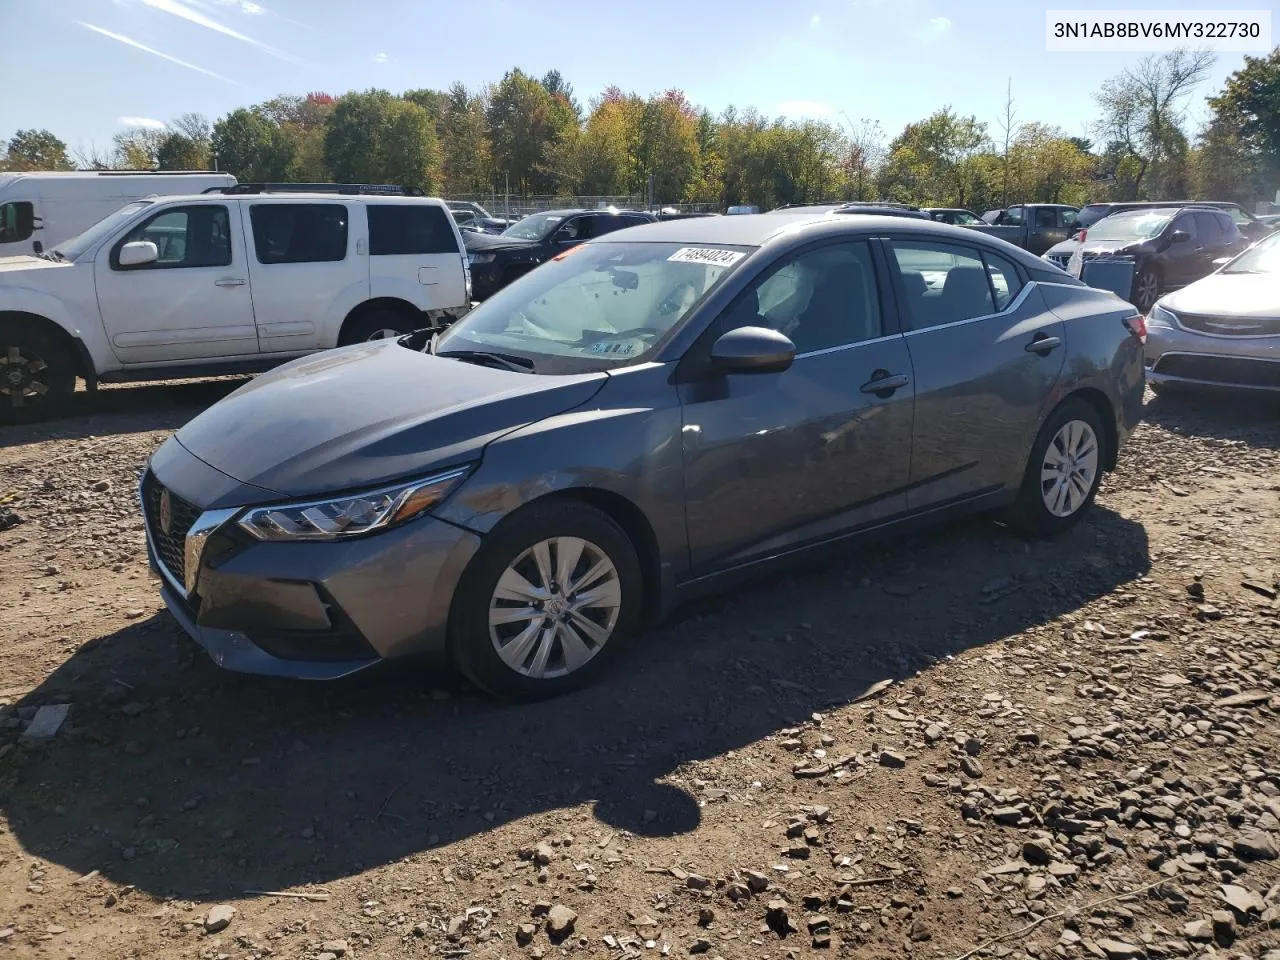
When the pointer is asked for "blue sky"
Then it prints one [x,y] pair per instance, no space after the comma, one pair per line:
[86,68]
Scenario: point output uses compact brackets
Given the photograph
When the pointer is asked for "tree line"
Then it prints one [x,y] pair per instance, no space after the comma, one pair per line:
[532,136]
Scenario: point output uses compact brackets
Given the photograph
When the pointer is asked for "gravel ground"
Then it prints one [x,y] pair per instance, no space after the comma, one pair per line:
[951,743]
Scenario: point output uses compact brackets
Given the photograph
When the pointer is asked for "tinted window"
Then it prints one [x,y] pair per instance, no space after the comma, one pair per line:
[1012,217]
[944,282]
[1069,218]
[184,237]
[17,221]
[964,218]
[299,232]
[823,298]
[410,228]
[1230,232]
[1005,282]
[1186,224]
[1207,228]
[634,220]
[1046,217]
[575,230]
[1092,214]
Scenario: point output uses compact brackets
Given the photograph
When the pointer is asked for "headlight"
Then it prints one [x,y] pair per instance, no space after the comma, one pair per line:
[352,515]
[1162,315]
[474,258]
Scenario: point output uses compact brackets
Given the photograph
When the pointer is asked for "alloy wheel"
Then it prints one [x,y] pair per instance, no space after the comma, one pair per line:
[384,333]
[22,377]
[1070,468]
[554,607]
[1148,291]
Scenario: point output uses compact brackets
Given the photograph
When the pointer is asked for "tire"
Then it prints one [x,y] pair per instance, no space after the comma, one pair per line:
[538,657]
[1032,512]
[1146,289]
[37,372]
[379,324]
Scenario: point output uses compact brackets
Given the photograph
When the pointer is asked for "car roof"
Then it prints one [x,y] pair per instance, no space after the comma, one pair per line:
[1169,209]
[288,197]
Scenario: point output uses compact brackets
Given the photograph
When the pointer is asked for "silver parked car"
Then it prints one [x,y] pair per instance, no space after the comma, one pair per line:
[1222,330]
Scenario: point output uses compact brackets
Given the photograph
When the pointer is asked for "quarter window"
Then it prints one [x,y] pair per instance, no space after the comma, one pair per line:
[411,228]
[945,283]
[299,232]
[197,236]
[822,298]
[1005,282]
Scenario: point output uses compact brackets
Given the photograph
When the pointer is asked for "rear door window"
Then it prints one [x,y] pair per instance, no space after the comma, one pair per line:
[411,228]
[299,232]
[1207,229]
[944,282]
[1005,282]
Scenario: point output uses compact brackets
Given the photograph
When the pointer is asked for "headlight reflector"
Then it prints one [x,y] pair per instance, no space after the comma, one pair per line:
[474,258]
[352,515]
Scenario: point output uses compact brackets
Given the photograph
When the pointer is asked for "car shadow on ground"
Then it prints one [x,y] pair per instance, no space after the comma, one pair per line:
[125,408]
[187,781]
[1249,418]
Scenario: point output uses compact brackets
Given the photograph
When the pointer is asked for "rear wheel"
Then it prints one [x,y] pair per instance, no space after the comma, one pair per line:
[37,373]
[379,324]
[548,601]
[1063,471]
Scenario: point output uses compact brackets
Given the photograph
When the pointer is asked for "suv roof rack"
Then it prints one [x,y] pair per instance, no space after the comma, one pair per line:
[881,203]
[345,189]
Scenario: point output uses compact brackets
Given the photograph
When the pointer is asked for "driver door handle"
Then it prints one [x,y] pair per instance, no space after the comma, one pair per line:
[229,282]
[885,384]
[1042,344]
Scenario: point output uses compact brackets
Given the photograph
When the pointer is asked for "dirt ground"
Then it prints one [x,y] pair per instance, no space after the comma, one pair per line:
[909,752]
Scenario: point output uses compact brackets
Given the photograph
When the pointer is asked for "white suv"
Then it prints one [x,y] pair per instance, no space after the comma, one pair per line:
[220,283]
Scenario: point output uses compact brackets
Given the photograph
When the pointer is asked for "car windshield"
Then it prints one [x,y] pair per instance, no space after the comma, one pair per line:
[75,248]
[1130,226]
[1091,214]
[536,227]
[599,305]
[1263,257]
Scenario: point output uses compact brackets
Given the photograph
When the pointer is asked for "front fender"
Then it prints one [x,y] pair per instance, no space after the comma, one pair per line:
[74,319]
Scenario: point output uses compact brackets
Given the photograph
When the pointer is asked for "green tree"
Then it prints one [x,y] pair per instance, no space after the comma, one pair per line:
[374,137]
[464,143]
[36,150]
[177,151]
[668,148]
[138,148]
[933,161]
[408,149]
[525,120]
[247,144]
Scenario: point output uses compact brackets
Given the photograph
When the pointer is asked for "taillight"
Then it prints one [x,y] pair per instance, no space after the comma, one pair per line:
[1137,325]
[1083,235]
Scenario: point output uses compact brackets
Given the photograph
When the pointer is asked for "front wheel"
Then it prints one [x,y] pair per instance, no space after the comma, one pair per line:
[551,597]
[1063,471]
[1146,289]
[37,373]
[378,325]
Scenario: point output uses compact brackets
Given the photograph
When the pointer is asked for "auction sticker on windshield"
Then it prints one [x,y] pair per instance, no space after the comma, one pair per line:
[707,255]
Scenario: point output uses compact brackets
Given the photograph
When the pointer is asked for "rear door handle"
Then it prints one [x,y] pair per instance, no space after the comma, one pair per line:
[885,384]
[1043,344]
[229,282]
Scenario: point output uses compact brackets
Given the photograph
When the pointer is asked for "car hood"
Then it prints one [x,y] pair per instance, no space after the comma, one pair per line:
[1228,295]
[369,414]
[490,241]
[1095,247]
[13,268]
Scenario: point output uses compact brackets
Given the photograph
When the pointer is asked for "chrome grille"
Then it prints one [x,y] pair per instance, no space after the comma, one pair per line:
[170,547]
[1230,326]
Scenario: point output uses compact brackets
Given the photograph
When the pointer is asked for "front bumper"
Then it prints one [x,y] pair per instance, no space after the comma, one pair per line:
[1178,356]
[315,610]
[486,279]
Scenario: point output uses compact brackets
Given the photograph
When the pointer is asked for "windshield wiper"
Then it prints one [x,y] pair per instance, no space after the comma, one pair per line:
[504,360]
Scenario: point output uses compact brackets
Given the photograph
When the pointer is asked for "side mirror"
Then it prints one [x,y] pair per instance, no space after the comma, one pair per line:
[752,350]
[138,253]
[1179,236]
[37,247]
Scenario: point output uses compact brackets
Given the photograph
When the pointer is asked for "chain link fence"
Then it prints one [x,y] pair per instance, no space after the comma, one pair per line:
[514,206]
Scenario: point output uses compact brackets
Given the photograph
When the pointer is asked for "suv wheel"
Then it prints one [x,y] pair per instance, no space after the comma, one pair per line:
[1146,289]
[1063,471]
[379,324]
[37,374]
[551,597]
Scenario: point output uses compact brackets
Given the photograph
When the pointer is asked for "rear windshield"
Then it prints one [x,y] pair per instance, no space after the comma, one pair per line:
[1137,225]
[598,305]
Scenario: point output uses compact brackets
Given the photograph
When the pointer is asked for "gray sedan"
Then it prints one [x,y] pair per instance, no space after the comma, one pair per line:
[1223,330]
[654,414]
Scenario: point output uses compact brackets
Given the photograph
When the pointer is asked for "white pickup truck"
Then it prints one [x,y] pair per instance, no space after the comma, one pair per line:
[219,283]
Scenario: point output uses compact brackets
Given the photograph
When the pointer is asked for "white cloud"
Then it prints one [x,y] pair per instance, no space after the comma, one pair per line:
[815,21]
[130,42]
[184,12]
[380,58]
[939,24]
[805,108]
[147,123]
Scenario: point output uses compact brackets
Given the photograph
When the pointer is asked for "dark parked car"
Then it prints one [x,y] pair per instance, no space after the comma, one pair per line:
[955,215]
[1170,247]
[661,412]
[1033,226]
[497,260]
